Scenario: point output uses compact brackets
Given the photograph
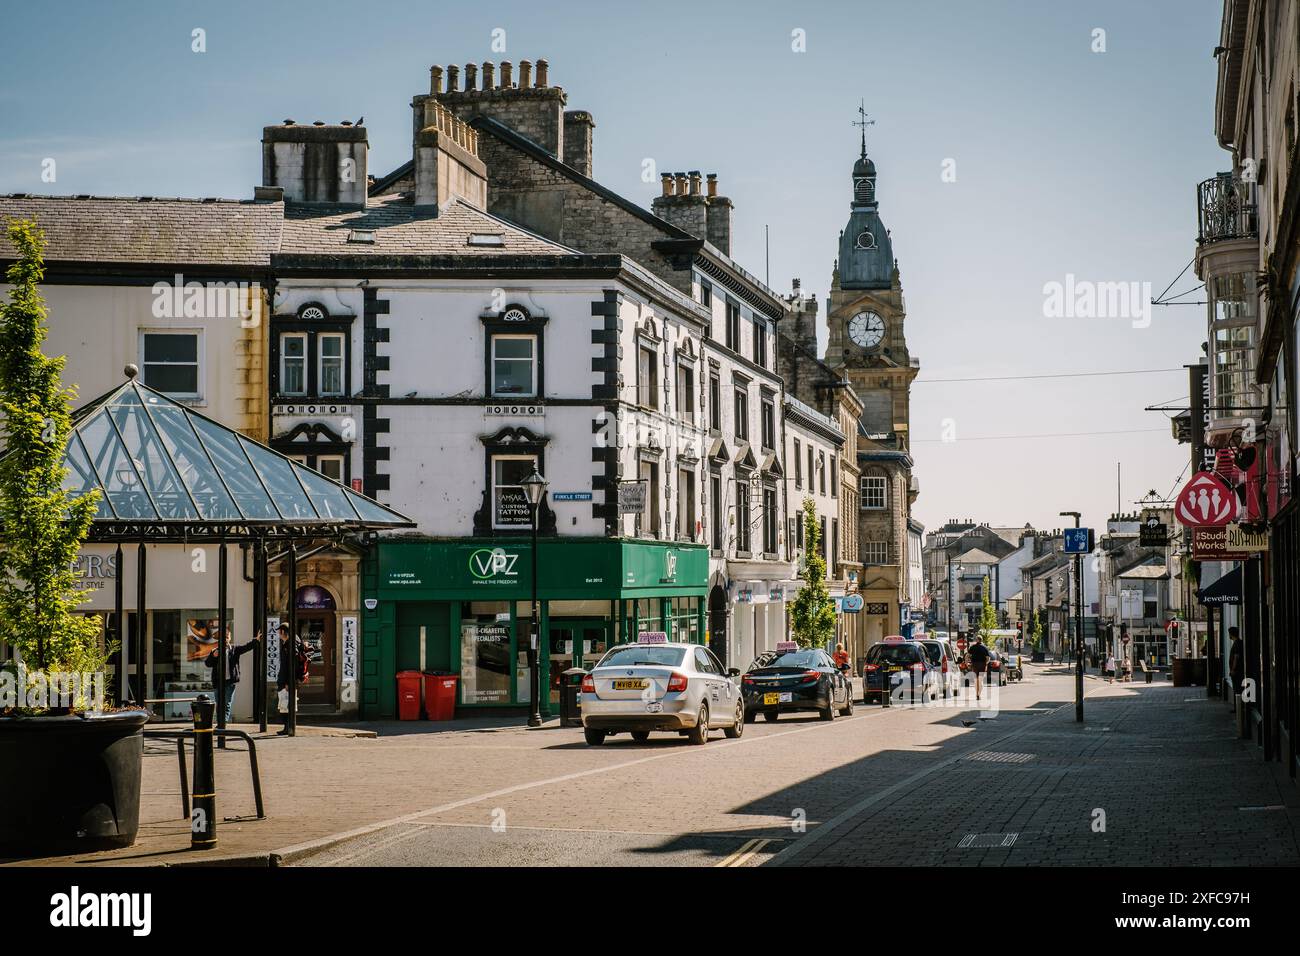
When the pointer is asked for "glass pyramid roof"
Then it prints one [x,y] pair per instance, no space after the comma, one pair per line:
[155,460]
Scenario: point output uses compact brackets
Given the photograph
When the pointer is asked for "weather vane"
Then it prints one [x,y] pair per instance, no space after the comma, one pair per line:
[864,123]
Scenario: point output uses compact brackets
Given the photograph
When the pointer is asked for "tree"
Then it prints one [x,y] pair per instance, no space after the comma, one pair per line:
[42,525]
[812,614]
[988,615]
[1036,631]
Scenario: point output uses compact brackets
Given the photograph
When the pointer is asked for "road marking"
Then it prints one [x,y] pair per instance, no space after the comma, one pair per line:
[746,853]
[301,849]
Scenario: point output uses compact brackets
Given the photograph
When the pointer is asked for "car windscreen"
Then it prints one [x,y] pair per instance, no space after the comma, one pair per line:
[892,654]
[631,655]
[790,659]
[935,650]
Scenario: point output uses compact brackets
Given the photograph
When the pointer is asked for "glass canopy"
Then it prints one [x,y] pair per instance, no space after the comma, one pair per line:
[157,462]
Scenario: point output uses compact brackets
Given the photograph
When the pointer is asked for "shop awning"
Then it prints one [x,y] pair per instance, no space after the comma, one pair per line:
[1226,590]
[166,472]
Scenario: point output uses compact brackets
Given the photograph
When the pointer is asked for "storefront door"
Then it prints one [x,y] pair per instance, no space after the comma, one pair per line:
[317,630]
[574,642]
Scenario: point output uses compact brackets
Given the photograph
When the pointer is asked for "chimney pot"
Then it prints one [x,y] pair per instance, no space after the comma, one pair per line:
[453,78]
[796,285]
[681,184]
[525,73]
[288,122]
[667,180]
[507,75]
[435,80]
[542,69]
[695,182]
[488,80]
[713,184]
[471,76]
[318,123]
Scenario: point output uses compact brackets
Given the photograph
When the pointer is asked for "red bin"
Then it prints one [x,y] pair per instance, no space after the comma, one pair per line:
[440,695]
[408,695]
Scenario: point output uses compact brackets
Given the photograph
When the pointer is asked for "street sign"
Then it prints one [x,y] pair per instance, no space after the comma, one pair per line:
[570,495]
[1078,540]
[1205,502]
[632,497]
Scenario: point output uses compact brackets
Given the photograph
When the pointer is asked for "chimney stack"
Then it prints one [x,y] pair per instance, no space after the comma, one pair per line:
[447,164]
[317,163]
[719,217]
[578,129]
[532,108]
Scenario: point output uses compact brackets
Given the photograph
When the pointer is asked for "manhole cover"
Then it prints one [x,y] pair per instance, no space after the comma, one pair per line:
[978,840]
[992,756]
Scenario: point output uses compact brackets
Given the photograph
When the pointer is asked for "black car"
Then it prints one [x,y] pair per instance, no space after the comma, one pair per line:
[795,679]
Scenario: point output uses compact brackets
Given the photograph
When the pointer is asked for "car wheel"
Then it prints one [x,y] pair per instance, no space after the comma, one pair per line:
[699,734]
[770,716]
[594,737]
[738,728]
[640,736]
[828,712]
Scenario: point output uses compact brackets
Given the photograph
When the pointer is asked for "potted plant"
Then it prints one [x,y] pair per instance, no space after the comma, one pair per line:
[71,770]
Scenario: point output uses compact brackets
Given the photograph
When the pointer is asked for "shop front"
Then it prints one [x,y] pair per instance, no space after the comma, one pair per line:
[464,607]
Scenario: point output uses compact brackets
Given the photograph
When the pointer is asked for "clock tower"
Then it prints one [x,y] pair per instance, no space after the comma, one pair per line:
[868,348]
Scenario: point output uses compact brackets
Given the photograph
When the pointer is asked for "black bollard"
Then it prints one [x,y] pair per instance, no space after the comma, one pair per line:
[203,815]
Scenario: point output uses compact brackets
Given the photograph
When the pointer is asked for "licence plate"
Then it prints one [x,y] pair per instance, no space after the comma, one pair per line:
[629,685]
[654,707]
[783,697]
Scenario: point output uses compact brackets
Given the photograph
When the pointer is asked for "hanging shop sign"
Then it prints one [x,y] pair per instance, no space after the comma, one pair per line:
[1205,502]
[851,603]
[1211,544]
[1152,532]
[632,497]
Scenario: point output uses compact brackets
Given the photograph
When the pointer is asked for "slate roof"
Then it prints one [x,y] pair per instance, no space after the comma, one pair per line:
[318,229]
[142,229]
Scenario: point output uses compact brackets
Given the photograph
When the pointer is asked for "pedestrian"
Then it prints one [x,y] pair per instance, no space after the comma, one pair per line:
[293,654]
[233,653]
[841,657]
[978,656]
[1110,668]
[1125,654]
[1236,661]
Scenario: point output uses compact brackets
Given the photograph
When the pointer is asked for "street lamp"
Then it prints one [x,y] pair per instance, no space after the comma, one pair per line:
[534,490]
[1078,629]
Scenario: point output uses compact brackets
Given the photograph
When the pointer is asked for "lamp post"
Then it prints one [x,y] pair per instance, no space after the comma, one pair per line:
[535,490]
[1078,628]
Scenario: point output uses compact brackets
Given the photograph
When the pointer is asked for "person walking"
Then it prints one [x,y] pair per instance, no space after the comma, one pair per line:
[293,654]
[233,653]
[1110,668]
[978,658]
[1236,661]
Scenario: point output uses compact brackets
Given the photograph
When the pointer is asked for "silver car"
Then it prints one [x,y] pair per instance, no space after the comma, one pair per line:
[647,687]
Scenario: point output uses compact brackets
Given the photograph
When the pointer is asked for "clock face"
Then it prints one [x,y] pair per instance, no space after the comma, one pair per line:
[866,329]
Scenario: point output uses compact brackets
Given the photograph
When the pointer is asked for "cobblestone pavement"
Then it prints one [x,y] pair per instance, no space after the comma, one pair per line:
[897,785]
[1154,777]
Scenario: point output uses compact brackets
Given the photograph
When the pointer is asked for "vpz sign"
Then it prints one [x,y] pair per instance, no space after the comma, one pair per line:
[493,564]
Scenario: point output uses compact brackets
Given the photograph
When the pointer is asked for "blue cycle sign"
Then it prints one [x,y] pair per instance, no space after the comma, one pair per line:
[1077,540]
[493,566]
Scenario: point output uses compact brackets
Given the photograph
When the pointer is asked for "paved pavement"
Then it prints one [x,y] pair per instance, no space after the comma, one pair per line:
[898,785]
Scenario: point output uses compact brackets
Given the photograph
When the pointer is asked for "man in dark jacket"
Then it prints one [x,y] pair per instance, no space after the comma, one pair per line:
[978,657]
[1236,661]
[233,653]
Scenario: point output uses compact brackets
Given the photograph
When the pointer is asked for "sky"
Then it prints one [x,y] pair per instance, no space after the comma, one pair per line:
[1017,144]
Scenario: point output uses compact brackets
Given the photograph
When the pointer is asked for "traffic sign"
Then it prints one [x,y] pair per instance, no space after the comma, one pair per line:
[1205,502]
[1078,540]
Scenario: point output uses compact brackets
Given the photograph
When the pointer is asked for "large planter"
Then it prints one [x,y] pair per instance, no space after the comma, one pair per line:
[70,784]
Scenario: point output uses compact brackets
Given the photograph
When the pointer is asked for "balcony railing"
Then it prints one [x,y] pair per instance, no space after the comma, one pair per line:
[1225,206]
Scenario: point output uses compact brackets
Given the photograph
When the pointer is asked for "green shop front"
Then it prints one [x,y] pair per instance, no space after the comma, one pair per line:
[465,607]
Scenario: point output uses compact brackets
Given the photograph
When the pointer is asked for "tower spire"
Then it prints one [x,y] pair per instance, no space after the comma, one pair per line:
[864,123]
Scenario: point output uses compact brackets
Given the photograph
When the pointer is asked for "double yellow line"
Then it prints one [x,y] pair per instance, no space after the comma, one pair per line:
[746,853]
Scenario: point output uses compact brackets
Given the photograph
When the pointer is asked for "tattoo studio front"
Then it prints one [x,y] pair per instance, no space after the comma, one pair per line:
[464,607]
